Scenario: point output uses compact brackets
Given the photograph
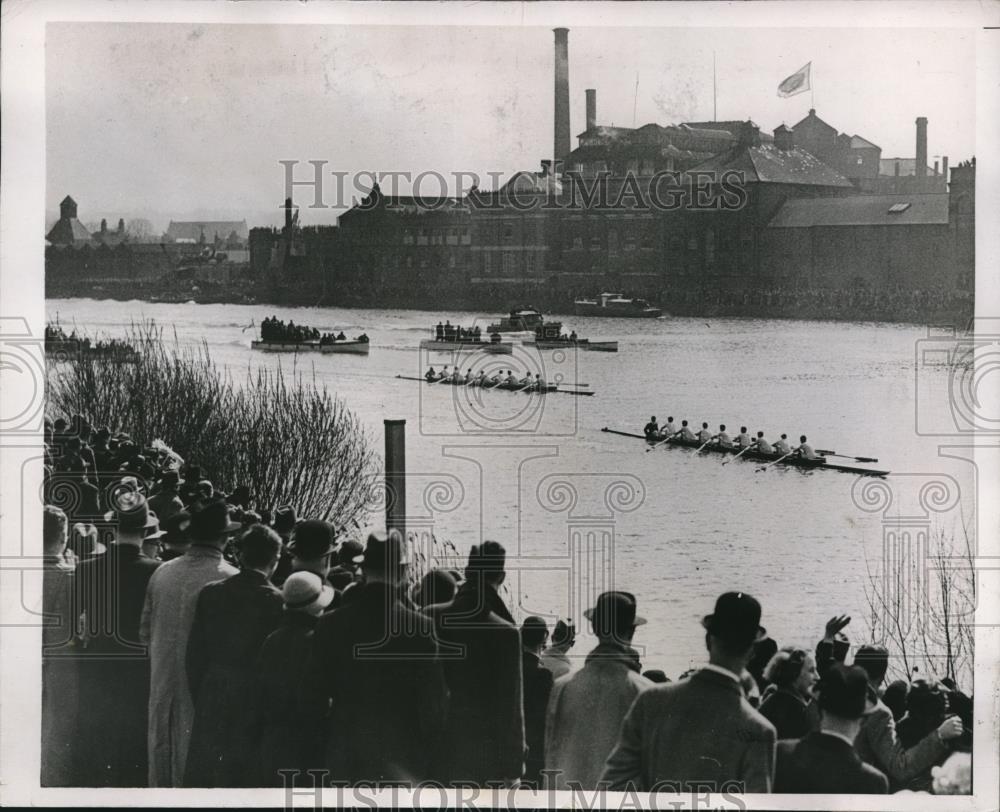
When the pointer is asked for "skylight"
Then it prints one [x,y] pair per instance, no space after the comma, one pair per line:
[896,208]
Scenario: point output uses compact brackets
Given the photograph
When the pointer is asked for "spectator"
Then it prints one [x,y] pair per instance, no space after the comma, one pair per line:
[175,541]
[189,487]
[232,620]
[586,709]
[555,657]
[377,662]
[284,523]
[537,683]
[894,697]
[878,743]
[825,761]
[763,651]
[311,548]
[926,710]
[437,586]
[114,671]
[484,740]
[702,729]
[167,501]
[168,614]
[59,673]
[291,715]
[834,646]
[789,706]
[349,558]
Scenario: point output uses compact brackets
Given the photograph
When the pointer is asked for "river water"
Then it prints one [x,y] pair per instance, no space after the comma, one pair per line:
[580,510]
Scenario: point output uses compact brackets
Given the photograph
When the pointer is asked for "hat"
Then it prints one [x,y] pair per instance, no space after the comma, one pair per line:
[131,512]
[614,610]
[311,539]
[284,520]
[303,591]
[155,531]
[926,698]
[209,520]
[845,691]
[170,479]
[83,541]
[386,551]
[736,618]
[176,525]
[351,552]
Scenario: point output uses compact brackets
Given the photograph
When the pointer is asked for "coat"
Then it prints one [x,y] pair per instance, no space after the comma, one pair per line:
[60,685]
[556,660]
[537,686]
[878,745]
[377,663]
[481,651]
[791,716]
[823,763]
[165,504]
[232,620]
[697,731]
[290,715]
[167,615]
[585,714]
[114,668]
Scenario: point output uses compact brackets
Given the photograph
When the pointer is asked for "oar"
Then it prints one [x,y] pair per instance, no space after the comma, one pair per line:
[576,384]
[763,467]
[659,443]
[524,387]
[736,457]
[825,453]
[699,448]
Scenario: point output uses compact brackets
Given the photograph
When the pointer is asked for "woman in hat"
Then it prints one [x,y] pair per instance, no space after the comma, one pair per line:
[289,715]
[788,707]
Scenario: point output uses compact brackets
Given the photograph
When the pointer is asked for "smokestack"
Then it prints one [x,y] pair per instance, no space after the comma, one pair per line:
[944,168]
[935,169]
[591,108]
[288,214]
[921,167]
[561,143]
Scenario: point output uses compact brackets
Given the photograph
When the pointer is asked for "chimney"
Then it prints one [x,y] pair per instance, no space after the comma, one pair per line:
[783,138]
[895,169]
[944,168]
[288,214]
[561,142]
[591,108]
[921,163]
[121,225]
[935,169]
[749,135]
[104,225]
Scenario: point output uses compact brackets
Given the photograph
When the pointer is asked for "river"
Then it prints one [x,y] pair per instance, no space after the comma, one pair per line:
[678,528]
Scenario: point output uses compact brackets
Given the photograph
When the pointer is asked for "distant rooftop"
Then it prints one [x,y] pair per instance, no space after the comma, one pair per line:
[863,210]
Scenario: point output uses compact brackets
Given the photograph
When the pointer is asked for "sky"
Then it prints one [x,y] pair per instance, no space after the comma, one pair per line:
[190,121]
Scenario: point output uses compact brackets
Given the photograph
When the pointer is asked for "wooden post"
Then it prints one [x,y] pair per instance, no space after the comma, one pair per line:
[395,476]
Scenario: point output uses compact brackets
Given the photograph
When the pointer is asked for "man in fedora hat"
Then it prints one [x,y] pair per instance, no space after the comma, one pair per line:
[114,671]
[825,761]
[701,732]
[167,616]
[311,548]
[290,713]
[586,709]
[175,541]
[167,501]
[482,647]
[349,557]
[377,662]
[231,622]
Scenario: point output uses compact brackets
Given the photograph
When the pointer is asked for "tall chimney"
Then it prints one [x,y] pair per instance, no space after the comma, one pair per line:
[561,143]
[935,168]
[921,168]
[944,167]
[591,108]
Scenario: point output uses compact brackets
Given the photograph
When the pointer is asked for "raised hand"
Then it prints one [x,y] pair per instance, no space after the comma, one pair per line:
[951,728]
[836,624]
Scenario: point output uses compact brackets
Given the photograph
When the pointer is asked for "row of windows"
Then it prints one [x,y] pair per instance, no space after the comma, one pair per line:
[436,236]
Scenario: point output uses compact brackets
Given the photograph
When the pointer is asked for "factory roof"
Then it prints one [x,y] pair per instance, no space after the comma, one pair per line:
[765,163]
[863,210]
[907,167]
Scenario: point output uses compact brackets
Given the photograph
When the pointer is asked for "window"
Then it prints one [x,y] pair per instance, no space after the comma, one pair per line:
[860,160]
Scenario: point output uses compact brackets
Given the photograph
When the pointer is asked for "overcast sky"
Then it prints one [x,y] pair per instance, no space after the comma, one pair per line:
[191,120]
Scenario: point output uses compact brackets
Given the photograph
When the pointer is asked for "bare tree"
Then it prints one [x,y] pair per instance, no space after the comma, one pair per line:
[140,229]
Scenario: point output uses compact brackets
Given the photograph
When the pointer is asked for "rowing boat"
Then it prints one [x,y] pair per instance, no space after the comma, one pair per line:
[492,347]
[795,462]
[570,344]
[340,345]
[549,388]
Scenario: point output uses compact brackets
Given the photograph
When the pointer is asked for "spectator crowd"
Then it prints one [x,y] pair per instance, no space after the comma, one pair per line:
[196,639]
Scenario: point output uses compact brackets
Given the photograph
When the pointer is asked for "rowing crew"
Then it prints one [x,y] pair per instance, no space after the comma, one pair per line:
[742,442]
[456,376]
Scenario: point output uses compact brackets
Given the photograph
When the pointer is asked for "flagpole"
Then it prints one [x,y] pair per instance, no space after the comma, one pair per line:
[715,109]
[812,89]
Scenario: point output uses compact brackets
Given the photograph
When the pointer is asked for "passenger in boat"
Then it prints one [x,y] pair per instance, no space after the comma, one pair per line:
[723,438]
[439,332]
[782,446]
[572,336]
[762,445]
[341,336]
[806,451]
[743,439]
[651,429]
[363,338]
[685,432]
[477,333]
[449,331]
[704,435]
[431,375]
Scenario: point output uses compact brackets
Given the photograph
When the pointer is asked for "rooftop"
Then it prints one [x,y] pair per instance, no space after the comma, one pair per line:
[863,210]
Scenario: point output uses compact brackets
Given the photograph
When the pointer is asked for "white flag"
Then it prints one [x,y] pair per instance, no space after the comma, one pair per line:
[797,83]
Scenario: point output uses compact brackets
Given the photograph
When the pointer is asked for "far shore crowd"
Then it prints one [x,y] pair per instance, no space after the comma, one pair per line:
[197,638]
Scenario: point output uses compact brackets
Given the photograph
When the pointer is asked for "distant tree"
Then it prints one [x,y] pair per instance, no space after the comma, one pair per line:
[139,229]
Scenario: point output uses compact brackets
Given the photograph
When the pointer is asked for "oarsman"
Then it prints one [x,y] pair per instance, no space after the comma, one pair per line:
[468,375]
[431,375]
[668,429]
[443,373]
[456,375]
[704,435]
[511,379]
[762,445]
[723,438]
[539,383]
[781,446]
[685,432]
[527,380]
[651,429]
[743,438]
[805,451]
[480,378]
